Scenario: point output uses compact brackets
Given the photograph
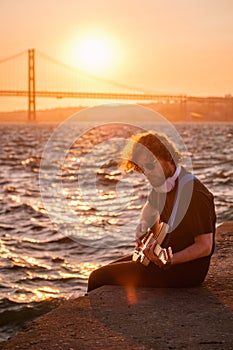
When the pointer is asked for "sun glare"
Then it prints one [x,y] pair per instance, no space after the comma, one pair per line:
[93,54]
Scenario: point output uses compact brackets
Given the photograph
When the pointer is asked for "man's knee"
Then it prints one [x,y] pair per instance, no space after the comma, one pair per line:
[96,279]
[92,281]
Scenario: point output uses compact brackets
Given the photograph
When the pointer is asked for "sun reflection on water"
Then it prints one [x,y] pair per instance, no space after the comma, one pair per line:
[37,294]
[86,268]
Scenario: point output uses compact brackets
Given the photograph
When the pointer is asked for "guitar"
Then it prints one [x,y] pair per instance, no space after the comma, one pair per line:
[159,235]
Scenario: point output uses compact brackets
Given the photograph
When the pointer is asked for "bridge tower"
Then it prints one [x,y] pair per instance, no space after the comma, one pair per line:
[31,86]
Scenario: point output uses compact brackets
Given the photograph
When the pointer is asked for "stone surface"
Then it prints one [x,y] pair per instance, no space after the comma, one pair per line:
[112,317]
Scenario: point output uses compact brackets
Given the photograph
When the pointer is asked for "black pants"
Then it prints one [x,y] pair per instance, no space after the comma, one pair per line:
[125,272]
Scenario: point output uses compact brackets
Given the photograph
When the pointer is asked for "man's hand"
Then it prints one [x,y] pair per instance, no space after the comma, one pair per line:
[159,256]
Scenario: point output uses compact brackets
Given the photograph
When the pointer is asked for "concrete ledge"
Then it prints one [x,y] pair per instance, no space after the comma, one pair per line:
[143,319]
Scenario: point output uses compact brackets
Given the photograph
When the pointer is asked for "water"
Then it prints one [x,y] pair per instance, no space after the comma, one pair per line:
[40,264]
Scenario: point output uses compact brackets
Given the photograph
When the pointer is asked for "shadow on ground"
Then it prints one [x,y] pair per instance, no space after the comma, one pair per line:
[190,318]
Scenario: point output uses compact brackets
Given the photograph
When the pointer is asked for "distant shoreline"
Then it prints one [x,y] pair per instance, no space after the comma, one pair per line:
[171,112]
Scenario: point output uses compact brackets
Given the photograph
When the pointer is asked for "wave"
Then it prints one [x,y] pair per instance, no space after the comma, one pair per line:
[15,316]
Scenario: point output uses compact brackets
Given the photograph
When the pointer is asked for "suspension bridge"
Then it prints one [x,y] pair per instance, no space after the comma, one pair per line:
[29,74]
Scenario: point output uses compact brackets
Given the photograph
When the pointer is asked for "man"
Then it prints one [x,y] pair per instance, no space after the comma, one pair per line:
[190,243]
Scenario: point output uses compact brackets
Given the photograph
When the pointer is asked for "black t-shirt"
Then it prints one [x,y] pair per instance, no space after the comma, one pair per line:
[195,214]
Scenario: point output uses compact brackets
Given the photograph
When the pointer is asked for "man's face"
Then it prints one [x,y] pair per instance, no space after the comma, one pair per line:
[156,170]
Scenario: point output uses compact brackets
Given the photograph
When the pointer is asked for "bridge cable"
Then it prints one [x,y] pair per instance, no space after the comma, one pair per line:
[13,56]
[73,69]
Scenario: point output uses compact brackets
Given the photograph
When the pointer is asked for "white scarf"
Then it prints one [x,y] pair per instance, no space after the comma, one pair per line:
[169,184]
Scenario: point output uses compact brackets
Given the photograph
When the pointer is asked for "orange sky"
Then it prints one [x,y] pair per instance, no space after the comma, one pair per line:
[166,46]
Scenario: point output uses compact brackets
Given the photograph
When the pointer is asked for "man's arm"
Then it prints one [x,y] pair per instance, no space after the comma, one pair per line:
[149,215]
[200,248]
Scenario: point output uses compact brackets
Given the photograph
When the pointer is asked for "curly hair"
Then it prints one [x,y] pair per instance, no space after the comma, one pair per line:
[156,143]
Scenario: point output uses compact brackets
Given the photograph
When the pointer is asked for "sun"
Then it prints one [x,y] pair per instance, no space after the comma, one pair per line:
[94,54]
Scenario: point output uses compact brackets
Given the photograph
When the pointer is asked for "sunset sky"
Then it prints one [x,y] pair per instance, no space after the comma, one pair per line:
[166,46]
